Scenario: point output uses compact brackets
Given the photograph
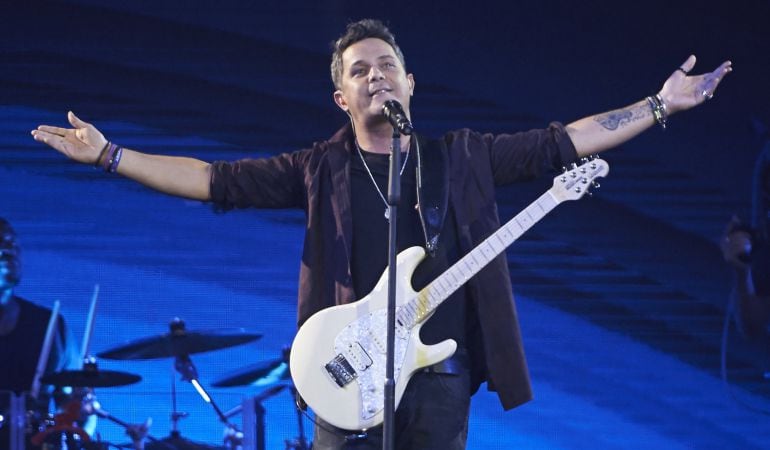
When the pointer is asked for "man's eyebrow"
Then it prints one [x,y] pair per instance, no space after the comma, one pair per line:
[379,58]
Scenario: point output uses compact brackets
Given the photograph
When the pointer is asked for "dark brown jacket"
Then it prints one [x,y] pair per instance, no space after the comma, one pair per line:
[318,180]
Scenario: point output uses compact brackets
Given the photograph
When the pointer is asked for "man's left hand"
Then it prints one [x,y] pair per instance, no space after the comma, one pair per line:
[683,91]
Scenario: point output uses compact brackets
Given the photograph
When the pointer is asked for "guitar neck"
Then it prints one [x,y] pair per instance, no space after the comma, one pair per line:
[430,297]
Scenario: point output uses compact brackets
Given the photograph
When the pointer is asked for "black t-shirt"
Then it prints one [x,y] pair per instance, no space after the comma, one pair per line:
[20,350]
[370,242]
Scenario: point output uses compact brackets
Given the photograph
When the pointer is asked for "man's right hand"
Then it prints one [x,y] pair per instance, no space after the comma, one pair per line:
[82,143]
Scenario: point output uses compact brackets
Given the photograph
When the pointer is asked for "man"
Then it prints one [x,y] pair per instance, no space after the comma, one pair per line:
[23,328]
[341,185]
[747,250]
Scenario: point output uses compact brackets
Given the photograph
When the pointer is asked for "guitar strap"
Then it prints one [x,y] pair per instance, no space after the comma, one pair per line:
[432,189]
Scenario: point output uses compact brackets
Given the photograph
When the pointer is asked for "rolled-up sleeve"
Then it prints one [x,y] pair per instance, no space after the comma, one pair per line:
[529,154]
[275,182]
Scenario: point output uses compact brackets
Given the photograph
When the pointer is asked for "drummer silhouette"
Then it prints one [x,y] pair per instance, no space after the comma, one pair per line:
[23,327]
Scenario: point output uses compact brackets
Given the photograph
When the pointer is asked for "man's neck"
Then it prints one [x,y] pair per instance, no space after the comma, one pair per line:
[378,139]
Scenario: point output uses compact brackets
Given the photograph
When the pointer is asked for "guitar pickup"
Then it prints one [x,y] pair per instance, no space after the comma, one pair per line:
[340,370]
[358,357]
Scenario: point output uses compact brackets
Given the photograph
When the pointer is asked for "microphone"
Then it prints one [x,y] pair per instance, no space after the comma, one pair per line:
[394,112]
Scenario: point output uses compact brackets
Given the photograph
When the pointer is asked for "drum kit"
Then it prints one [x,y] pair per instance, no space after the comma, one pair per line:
[63,431]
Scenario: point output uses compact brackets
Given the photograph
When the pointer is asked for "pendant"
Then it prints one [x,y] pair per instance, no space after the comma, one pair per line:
[387,213]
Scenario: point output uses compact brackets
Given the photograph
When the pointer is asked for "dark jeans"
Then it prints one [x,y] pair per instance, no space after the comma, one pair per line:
[432,414]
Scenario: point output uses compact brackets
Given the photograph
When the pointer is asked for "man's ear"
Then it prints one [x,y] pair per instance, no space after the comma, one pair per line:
[410,79]
[339,99]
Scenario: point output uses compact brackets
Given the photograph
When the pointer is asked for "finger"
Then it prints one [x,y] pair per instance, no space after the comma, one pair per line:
[688,64]
[75,121]
[725,68]
[54,140]
[54,130]
[714,78]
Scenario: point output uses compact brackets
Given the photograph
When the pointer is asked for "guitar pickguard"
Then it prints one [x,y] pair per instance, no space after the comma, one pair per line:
[363,345]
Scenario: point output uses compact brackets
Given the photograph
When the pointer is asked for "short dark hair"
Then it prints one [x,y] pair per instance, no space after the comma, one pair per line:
[7,234]
[358,31]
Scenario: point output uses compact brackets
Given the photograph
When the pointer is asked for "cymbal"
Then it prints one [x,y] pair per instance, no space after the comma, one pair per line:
[90,378]
[179,343]
[260,374]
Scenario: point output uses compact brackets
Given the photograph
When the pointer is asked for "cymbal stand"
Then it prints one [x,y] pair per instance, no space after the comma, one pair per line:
[184,365]
[175,415]
[92,406]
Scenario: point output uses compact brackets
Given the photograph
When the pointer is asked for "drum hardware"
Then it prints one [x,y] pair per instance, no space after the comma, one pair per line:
[90,405]
[253,412]
[260,374]
[265,374]
[184,365]
[65,423]
[18,420]
[300,442]
[90,377]
[180,344]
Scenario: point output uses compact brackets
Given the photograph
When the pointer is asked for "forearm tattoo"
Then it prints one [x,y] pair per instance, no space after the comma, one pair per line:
[621,117]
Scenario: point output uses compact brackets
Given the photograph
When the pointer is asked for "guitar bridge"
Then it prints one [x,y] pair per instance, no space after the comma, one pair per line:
[340,370]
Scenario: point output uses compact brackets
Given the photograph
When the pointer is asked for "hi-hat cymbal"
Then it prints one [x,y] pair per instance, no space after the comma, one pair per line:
[179,342]
[90,378]
[260,374]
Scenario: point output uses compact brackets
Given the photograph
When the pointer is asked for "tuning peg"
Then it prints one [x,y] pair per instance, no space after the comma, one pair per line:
[595,185]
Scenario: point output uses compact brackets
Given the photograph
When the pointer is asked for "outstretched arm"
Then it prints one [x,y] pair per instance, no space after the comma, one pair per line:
[180,176]
[680,92]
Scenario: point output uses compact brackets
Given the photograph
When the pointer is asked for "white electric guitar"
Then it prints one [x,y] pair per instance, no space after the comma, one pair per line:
[338,356]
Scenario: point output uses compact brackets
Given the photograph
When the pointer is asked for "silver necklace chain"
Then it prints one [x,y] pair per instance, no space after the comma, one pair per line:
[371,177]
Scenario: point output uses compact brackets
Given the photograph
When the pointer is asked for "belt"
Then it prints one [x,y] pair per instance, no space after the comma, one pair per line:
[456,364]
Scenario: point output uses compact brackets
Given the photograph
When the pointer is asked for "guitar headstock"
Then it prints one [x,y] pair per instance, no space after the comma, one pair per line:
[579,179]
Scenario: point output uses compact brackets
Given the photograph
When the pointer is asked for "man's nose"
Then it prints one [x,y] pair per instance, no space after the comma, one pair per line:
[375,74]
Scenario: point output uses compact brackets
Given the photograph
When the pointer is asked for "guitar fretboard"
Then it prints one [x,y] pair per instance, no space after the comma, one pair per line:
[430,297]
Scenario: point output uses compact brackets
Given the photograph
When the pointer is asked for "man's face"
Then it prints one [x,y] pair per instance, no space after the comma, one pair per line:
[10,264]
[371,75]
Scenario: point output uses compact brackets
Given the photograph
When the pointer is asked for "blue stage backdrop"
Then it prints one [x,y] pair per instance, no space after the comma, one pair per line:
[621,296]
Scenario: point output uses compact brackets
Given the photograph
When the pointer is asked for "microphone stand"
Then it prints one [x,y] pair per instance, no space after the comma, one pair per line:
[394,196]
